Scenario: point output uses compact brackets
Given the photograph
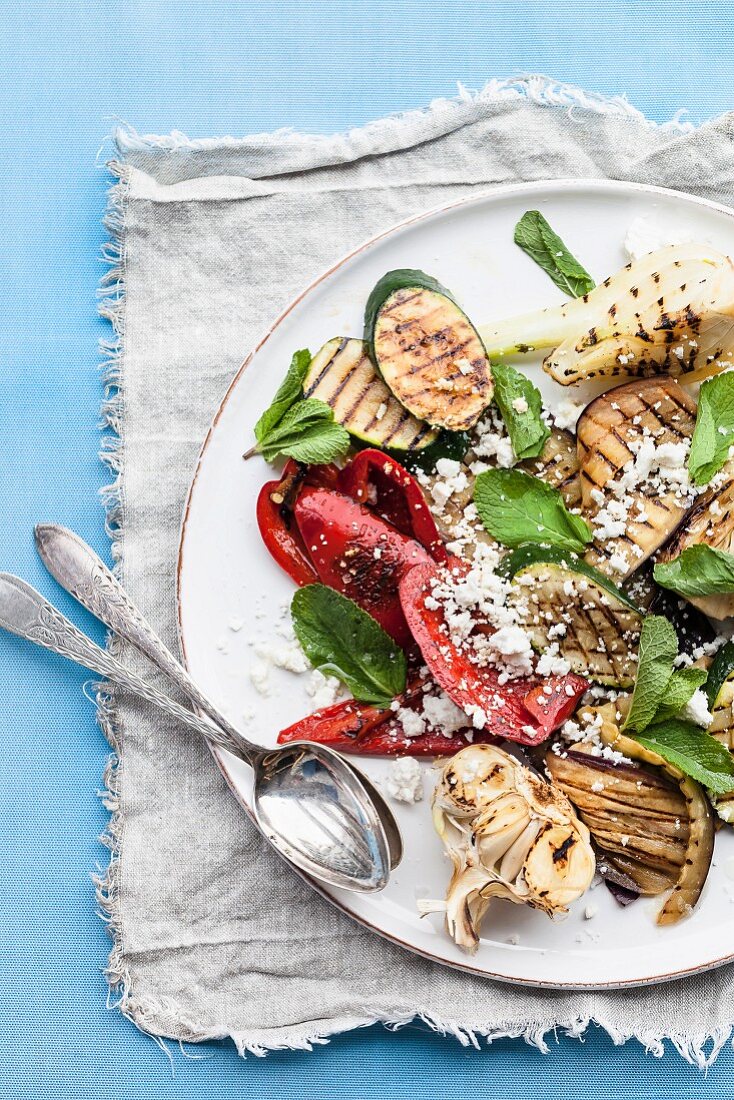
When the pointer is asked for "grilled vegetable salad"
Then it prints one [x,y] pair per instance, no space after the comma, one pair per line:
[481,573]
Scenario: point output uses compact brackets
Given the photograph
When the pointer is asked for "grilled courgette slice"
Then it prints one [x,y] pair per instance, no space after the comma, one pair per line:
[343,376]
[594,629]
[427,350]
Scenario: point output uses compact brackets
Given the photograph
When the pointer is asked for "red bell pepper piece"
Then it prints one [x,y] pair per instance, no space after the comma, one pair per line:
[374,731]
[513,710]
[358,553]
[275,517]
[380,482]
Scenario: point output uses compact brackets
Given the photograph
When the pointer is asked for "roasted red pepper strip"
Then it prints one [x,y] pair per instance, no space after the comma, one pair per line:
[372,731]
[358,553]
[380,482]
[275,517]
[512,710]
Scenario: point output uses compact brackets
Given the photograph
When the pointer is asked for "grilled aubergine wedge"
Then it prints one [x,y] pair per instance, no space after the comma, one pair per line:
[670,312]
[720,691]
[558,465]
[343,376]
[610,432]
[698,816]
[710,521]
[566,604]
[427,350]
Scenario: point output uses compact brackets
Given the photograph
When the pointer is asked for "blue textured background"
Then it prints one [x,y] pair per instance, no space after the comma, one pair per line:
[214,68]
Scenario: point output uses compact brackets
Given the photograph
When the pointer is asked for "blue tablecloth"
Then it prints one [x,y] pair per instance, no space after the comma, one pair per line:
[68,68]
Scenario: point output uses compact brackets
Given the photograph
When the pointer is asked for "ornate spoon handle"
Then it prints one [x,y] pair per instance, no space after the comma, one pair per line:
[78,569]
[25,612]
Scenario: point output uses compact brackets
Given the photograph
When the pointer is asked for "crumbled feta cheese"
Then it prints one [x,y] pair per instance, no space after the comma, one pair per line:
[405,780]
[567,414]
[413,724]
[697,711]
[520,405]
[590,912]
[260,677]
[324,690]
[382,409]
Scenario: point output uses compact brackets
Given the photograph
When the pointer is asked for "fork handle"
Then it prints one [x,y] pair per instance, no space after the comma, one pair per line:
[24,611]
[85,576]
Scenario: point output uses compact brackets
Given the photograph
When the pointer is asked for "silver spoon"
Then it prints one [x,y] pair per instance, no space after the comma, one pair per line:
[84,575]
[307,801]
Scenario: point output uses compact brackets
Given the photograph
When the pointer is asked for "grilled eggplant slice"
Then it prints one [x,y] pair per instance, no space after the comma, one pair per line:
[558,464]
[710,521]
[670,312]
[596,631]
[700,847]
[637,817]
[610,431]
[343,375]
[720,691]
[427,350]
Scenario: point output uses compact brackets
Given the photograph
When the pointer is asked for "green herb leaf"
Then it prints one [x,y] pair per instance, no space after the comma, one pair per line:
[699,571]
[516,507]
[679,690]
[658,651]
[720,671]
[714,431]
[308,433]
[535,236]
[342,640]
[521,406]
[524,556]
[288,393]
[694,751]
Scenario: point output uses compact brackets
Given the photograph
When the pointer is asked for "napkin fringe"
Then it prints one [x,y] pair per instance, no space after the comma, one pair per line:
[534,87]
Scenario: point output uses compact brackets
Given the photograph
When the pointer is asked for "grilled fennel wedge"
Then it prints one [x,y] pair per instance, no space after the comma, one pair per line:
[509,834]
[427,350]
[700,847]
[343,376]
[588,621]
[670,312]
[710,521]
[614,431]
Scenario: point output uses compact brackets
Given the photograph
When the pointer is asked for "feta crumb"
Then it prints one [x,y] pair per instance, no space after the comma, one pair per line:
[697,711]
[590,912]
[381,411]
[567,414]
[647,234]
[260,677]
[405,780]
[520,405]
[324,690]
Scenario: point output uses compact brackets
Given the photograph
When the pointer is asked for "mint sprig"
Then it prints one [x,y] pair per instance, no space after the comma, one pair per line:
[534,235]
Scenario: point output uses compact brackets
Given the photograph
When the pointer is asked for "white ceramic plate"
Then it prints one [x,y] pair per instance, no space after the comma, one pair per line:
[226,574]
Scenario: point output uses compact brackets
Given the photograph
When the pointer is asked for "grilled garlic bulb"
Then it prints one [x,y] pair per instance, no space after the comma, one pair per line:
[509,835]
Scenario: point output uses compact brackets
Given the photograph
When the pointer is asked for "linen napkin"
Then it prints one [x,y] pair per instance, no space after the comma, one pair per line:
[213,936]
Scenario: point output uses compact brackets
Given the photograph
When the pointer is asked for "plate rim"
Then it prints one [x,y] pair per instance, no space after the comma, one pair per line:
[220,756]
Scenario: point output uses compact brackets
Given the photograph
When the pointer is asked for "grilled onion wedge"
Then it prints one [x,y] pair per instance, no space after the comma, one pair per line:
[610,432]
[427,350]
[670,312]
[563,602]
[636,815]
[700,847]
[710,521]
[343,376]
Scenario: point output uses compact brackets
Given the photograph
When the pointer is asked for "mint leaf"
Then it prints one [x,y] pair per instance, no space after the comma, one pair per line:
[699,571]
[516,508]
[288,393]
[534,236]
[308,433]
[658,650]
[521,406]
[342,640]
[720,671]
[679,690]
[714,431]
[694,751]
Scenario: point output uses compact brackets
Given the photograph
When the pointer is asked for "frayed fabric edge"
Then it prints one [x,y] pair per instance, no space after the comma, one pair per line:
[111,294]
[534,87]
